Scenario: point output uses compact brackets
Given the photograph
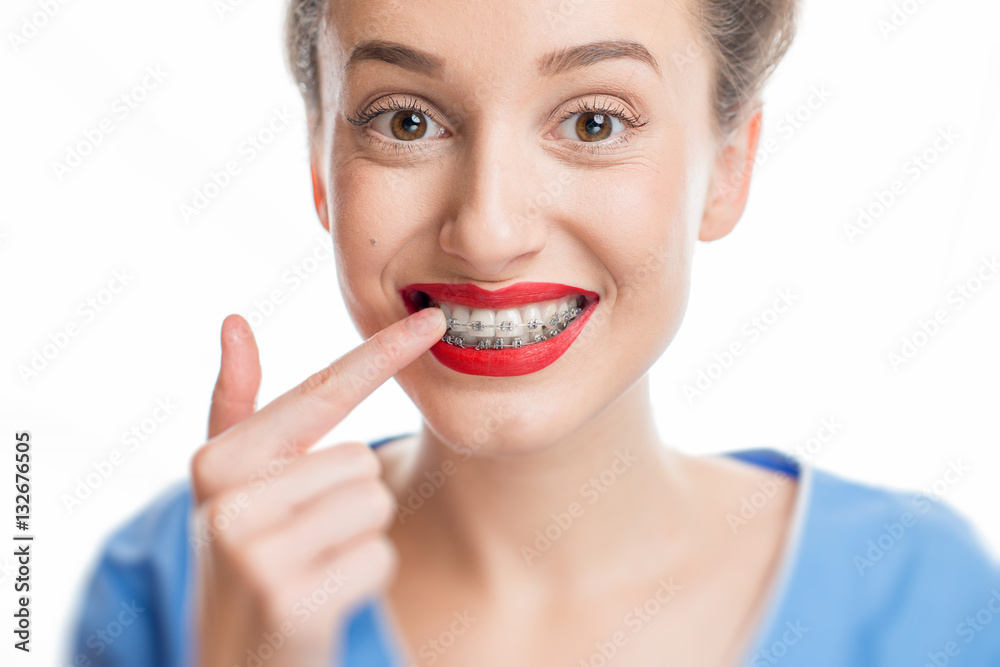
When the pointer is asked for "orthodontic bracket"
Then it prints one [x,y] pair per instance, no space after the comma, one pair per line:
[564,317]
[542,330]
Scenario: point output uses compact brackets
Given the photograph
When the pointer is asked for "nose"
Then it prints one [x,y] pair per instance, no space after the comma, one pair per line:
[496,224]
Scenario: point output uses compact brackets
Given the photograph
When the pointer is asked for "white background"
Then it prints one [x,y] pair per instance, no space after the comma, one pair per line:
[61,239]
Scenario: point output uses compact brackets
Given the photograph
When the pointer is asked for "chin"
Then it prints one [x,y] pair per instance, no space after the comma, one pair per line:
[506,417]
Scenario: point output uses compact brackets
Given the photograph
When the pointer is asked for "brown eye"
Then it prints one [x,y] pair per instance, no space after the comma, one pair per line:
[406,125]
[593,126]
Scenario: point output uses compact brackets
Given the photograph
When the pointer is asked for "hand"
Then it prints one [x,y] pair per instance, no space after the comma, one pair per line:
[288,541]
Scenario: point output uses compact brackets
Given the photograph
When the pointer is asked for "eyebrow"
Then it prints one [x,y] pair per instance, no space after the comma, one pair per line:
[558,62]
[395,53]
[575,57]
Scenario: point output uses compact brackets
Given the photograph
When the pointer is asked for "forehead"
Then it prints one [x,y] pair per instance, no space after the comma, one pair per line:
[506,43]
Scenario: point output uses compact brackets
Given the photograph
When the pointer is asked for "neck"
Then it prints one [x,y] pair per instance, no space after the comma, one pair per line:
[557,516]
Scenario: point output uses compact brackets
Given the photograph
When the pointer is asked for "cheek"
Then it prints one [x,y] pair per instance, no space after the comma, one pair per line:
[642,236]
[367,234]
[361,207]
[637,224]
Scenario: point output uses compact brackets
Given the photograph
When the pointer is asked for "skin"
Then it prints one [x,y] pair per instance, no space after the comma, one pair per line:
[456,206]
[317,527]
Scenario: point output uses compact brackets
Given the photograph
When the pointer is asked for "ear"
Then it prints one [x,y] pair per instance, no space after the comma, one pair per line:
[319,192]
[730,187]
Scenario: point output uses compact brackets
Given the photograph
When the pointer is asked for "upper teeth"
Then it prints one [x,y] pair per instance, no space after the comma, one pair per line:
[508,327]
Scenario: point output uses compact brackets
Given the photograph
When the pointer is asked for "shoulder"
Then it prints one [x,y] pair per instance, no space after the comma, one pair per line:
[898,572]
[878,528]
[147,531]
[149,551]
[135,607]
[133,600]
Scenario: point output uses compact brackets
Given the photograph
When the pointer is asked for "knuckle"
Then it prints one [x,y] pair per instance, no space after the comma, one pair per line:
[214,510]
[385,349]
[219,521]
[202,463]
[276,610]
[254,559]
[360,458]
[376,503]
[368,565]
[382,503]
[372,493]
[199,460]
[271,598]
[227,545]
[321,384]
[383,555]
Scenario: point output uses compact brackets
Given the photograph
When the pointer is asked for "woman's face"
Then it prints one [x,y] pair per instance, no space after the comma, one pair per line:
[487,150]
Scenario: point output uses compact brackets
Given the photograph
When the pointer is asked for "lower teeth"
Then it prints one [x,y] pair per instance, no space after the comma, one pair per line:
[538,331]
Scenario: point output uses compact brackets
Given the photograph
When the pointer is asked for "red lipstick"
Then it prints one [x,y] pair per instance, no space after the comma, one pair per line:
[507,362]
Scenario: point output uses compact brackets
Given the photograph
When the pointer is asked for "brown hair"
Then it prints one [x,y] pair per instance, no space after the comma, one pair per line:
[747,38]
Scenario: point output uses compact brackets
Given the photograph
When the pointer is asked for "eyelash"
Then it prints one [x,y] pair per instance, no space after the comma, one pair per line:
[630,121]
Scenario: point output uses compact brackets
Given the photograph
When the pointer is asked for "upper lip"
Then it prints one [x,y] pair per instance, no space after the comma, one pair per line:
[473,296]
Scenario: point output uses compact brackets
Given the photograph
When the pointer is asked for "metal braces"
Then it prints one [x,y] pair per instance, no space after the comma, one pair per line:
[557,319]
[499,344]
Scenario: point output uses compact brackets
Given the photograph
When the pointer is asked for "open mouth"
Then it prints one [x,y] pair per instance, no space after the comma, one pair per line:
[511,331]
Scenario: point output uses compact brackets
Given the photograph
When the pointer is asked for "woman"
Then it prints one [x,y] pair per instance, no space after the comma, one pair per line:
[516,188]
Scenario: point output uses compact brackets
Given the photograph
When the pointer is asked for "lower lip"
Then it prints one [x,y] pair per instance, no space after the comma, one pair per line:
[515,360]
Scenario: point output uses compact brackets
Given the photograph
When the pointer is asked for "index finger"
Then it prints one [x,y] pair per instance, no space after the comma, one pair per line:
[302,415]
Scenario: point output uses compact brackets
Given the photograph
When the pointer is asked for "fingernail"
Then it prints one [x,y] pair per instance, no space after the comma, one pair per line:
[425,321]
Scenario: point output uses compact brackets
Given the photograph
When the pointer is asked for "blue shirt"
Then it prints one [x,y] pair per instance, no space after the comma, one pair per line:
[869,577]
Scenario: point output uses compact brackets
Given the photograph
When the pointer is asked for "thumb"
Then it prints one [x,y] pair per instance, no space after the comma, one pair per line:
[239,377]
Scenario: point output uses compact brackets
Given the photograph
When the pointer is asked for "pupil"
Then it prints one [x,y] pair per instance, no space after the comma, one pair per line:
[411,123]
[596,125]
[408,125]
[593,126]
